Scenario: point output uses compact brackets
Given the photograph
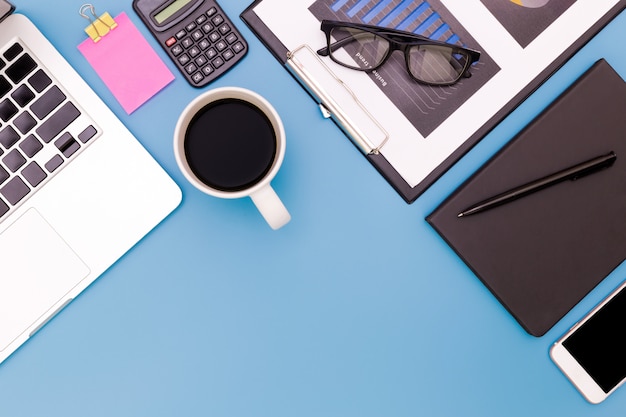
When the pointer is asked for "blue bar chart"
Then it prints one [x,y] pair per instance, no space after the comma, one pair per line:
[409,15]
[426,107]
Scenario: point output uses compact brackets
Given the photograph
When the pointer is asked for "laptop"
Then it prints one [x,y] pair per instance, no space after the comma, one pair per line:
[77,190]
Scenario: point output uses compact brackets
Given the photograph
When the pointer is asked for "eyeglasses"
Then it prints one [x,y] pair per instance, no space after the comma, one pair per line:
[367,48]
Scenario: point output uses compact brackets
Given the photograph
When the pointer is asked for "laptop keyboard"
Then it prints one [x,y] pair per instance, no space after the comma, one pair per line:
[41,127]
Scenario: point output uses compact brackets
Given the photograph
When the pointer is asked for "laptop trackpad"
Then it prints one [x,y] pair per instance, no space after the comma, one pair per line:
[38,269]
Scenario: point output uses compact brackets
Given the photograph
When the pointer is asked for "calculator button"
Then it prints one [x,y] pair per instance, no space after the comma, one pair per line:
[221,45]
[183,59]
[228,55]
[177,50]
[187,42]
[217,20]
[238,47]
[224,29]
[201,61]
[191,68]
[211,53]
[197,77]
[218,62]
[214,36]
[197,35]
[204,44]
[194,51]
[231,38]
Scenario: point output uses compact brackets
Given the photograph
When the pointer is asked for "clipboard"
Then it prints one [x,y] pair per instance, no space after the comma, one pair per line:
[372,134]
[541,254]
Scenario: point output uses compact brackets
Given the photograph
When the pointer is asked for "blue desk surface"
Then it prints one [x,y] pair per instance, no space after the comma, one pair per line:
[355,308]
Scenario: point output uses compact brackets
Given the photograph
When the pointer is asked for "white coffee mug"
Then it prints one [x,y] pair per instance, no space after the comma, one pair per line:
[216,142]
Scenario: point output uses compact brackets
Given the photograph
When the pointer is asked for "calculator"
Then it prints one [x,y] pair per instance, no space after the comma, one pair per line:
[196,34]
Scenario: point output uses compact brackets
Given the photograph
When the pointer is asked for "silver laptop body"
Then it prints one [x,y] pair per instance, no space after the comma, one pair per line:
[77,190]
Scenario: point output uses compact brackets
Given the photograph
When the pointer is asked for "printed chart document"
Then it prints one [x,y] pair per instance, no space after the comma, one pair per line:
[412,133]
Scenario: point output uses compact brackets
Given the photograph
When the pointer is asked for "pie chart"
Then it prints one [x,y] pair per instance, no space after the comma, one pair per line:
[532,4]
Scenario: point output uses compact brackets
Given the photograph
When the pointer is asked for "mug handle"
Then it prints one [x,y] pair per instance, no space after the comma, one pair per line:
[273,210]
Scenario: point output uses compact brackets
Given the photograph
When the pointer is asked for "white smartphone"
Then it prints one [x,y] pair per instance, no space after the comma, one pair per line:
[592,354]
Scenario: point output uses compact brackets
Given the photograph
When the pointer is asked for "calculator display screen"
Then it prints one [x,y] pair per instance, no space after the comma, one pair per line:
[170,10]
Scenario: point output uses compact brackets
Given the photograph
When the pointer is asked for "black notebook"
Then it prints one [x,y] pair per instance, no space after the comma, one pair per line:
[541,254]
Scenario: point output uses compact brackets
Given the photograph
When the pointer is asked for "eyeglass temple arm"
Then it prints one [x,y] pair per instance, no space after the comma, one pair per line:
[338,44]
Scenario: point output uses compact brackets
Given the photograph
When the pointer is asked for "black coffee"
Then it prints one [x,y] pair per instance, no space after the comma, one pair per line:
[230,145]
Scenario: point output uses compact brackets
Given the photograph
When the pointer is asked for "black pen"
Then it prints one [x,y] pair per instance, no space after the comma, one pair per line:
[570,173]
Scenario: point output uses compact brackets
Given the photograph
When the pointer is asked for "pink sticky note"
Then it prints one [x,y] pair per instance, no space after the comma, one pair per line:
[127,64]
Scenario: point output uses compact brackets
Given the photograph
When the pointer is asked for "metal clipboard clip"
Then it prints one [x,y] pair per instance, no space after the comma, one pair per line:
[100,25]
[337,100]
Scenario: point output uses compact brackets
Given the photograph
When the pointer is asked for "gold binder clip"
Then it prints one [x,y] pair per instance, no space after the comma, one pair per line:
[99,26]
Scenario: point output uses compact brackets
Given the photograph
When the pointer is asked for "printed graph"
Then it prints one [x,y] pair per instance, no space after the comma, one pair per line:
[527,19]
[425,106]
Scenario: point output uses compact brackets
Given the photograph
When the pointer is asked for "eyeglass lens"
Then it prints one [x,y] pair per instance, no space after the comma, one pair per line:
[363,50]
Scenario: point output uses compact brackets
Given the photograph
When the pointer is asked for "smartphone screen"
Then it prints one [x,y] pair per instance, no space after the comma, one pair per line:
[598,345]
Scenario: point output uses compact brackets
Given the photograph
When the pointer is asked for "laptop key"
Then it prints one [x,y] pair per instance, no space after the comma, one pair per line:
[67,145]
[48,102]
[7,110]
[87,134]
[5,86]
[22,95]
[36,118]
[23,66]
[4,175]
[14,190]
[13,51]
[31,146]
[39,81]
[58,122]
[34,174]
[24,122]
[4,209]
[8,137]
[54,163]
[14,160]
